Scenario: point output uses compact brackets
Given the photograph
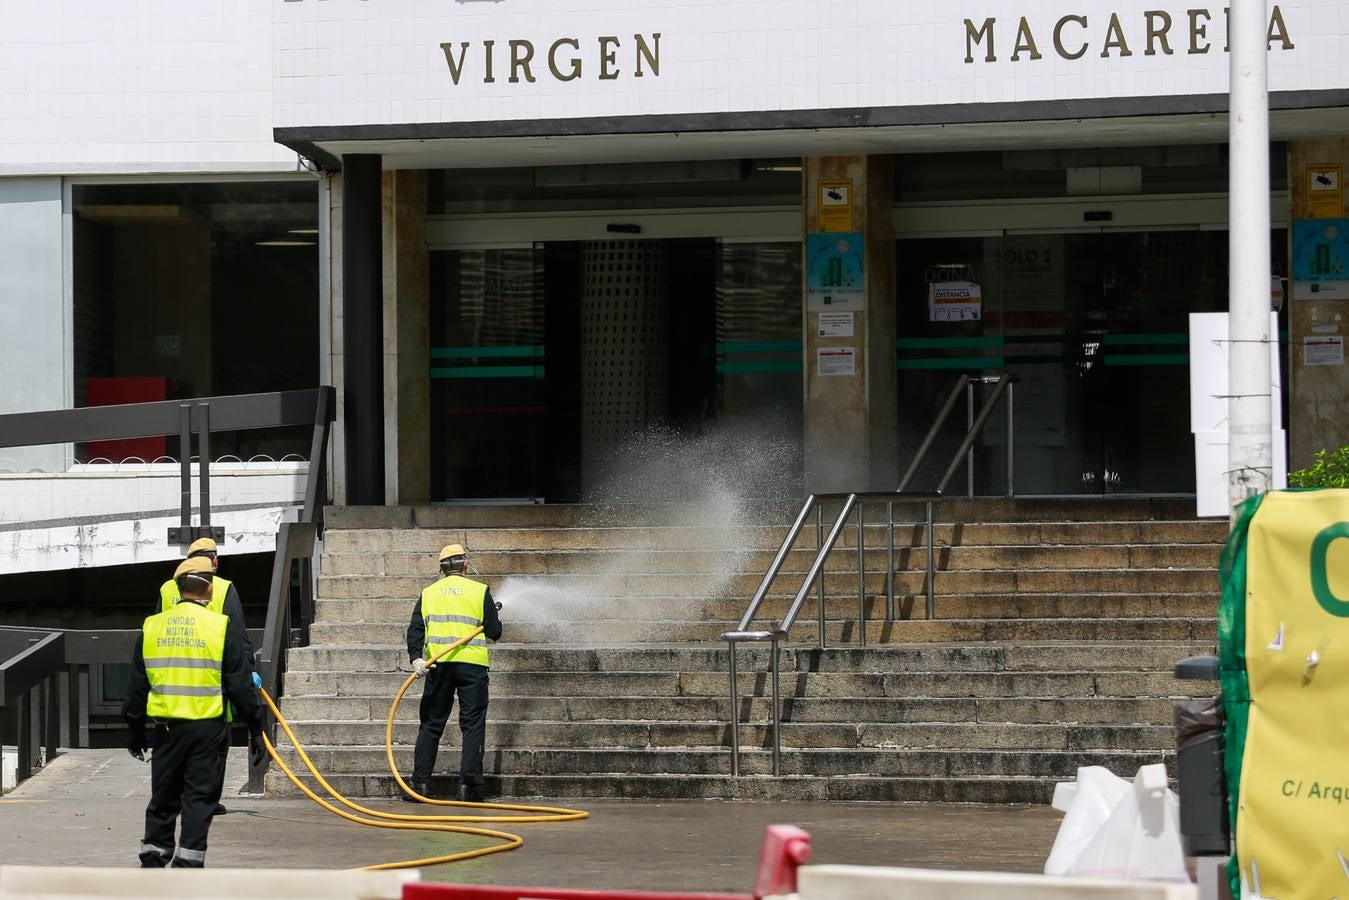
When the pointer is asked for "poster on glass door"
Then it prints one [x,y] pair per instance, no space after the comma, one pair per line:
[954,301]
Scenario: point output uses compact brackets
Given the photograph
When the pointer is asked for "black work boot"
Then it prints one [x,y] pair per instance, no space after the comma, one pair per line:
[472,793]
[420,787]
[220,810]
[154,857]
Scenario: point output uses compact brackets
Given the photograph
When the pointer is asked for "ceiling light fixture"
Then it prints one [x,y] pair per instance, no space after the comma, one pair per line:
[286,243]
[303,231]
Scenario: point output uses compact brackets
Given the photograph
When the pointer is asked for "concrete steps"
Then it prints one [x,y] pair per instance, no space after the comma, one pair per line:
[1057,626]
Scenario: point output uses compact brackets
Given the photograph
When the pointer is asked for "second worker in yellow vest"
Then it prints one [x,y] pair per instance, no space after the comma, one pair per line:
[225,601]
[445,612]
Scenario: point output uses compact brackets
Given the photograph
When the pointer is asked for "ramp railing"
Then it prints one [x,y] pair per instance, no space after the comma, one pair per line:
[296,537]
[853,505]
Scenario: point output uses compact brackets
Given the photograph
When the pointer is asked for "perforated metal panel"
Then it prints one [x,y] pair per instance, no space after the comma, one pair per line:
[624,348]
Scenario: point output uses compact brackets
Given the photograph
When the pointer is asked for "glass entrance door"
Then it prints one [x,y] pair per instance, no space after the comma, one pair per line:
[1095,324]
[488,374]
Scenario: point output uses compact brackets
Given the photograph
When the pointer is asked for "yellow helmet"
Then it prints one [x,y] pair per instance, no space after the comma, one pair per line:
[202,545]
[450,551]
[193,565]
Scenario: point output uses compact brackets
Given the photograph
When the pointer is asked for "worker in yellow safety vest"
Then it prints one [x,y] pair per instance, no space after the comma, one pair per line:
[445,612]
[187,666]
[224,600]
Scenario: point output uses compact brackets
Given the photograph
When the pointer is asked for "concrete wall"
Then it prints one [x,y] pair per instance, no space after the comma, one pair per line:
[108,86]
[1318,396]
[103,515]
[35,364]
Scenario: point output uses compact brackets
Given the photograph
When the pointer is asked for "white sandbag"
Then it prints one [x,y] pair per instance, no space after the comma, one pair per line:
[1137,838]
[1090,801]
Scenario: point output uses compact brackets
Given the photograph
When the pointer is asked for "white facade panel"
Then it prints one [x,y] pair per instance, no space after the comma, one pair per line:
[371,62]
[120,86]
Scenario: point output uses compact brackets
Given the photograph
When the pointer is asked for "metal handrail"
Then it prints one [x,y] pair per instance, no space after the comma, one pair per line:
[294,543]
[825,545]
[975,424]
[814,578]
[34,668]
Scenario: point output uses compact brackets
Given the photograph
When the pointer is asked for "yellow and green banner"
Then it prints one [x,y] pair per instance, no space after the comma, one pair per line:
[1283,627]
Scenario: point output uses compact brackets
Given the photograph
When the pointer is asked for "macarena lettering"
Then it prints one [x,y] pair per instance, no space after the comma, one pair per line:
[1073,36]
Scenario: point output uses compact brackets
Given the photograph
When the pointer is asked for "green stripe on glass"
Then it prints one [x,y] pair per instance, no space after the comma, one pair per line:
[954,362]
[938,343]
[532,352]
[758,346]
[1147,359]
[487,372]
[761,365]
[1135,340]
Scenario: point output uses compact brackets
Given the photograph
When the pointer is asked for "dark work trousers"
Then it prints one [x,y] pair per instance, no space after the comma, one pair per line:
[437,700]
[185,779]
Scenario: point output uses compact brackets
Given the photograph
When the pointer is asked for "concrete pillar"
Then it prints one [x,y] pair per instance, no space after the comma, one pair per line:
[850,418]
[363,328]
[407,348]
[1318,395]
[333,360]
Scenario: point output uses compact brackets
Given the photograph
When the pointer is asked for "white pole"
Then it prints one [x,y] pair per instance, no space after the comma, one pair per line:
[1249,448]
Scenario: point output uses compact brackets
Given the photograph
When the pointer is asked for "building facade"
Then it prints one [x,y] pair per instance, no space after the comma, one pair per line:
[516,234]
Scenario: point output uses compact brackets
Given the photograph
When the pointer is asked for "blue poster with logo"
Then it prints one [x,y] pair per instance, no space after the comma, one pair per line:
[1321,259]
[835,271]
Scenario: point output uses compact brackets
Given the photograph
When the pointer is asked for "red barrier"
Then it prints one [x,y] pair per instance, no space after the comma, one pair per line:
[785,848]
[478,892]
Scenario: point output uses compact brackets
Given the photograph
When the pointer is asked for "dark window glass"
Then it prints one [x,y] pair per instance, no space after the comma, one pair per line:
[196,290]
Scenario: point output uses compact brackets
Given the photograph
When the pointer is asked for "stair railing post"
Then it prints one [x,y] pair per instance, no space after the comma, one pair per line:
[931,569]
[204,466]
[735,717]
[1011,410]
[185,472]
[861,576]
[777,714]
[819,582]
[890,566]
[969,426]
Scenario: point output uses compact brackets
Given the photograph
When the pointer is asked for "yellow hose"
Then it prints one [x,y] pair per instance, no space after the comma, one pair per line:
[377,819]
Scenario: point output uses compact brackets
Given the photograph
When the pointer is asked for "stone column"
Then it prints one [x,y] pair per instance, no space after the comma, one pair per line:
[851,419]
[407,350]
[1318,395]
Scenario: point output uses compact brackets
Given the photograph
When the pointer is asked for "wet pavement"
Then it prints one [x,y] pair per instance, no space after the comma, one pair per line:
[87,809]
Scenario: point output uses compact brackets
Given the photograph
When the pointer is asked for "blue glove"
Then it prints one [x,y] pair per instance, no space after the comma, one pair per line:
[257,681]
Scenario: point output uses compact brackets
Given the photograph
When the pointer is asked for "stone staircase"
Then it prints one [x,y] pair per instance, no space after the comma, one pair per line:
[1057,626]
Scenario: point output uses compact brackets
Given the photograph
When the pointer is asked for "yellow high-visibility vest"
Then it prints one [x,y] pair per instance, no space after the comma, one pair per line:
[220,588]
[451,608]
[184,650]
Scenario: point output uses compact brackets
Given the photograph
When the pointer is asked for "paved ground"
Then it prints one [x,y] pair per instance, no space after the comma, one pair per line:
[87,809]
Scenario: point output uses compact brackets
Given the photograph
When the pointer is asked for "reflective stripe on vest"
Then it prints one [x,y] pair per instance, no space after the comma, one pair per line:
[451,608]
[220,588]
[184,650]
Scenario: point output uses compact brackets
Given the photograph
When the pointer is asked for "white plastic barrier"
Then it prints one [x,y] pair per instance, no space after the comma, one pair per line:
[42,883]
[875,883]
